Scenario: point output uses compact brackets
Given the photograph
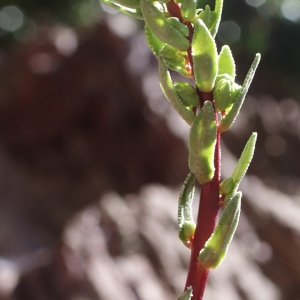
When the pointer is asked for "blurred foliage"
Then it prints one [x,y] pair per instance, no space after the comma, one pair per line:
[75,12]
[271,27]
[19,18]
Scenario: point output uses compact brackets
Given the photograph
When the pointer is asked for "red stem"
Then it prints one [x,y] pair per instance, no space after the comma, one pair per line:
[209,204]
[206,222]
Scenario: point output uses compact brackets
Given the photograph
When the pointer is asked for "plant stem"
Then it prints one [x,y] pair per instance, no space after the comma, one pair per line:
[209,204]
[206,222]
[174,10]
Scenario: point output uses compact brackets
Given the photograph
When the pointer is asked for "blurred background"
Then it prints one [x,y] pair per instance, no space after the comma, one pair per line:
[92,157]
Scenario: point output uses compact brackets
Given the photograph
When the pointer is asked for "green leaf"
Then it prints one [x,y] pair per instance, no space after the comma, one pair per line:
[170,52]
[178,60]
[182,28]
[205,57]
[218,12]
[230,117]
[202,142]
[185,216]
[155,44]
[187,93]
[216,247]
[173,58]
[188,10]
[179,69]
[226,186]
[245,159]
[186,232]
[223,91]
[186,199]
[242,165]
[170,93]
[187,295]
[226,62]
[162,28]
[212,18]
[207,16]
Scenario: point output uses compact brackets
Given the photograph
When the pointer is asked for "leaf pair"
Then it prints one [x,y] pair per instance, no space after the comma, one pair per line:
[212,18]
[234,110]
[216,247]
[228,95]
[217,73]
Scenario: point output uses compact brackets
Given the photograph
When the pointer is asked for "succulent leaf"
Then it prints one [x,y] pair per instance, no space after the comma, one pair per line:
[226,62]
[161,27]
[182,28]
[202,141]
[216,247]
[205,57]
[226,186]
[188,10]
[230,117]
[212,18]
[155,44]
[170,93]
[187,93]
[241,166]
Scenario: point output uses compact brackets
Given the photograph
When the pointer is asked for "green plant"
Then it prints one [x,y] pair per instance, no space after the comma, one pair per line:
[182,37]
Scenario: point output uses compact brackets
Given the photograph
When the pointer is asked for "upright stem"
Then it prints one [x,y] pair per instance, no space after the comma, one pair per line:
[209,198]
[206,222]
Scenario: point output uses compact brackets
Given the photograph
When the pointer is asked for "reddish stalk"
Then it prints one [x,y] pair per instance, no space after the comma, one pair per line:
[206,222]
[209,204]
